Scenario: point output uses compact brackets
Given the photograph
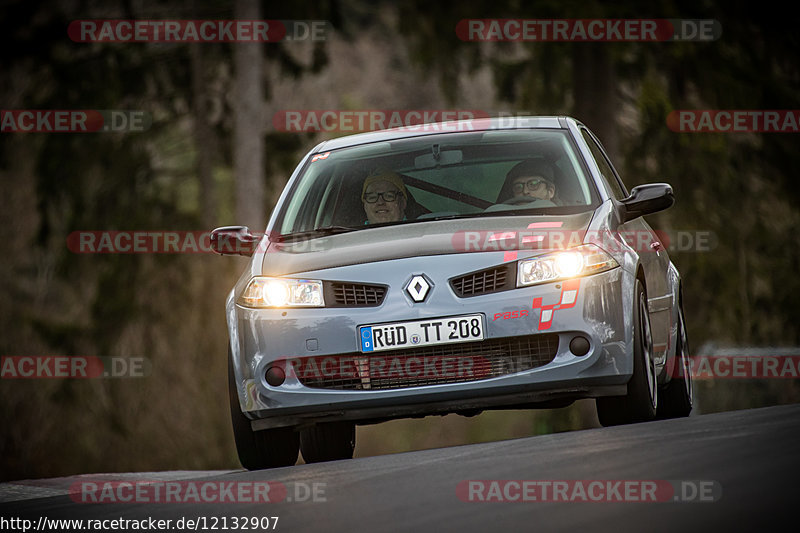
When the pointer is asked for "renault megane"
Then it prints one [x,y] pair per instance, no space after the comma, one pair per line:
[450,268]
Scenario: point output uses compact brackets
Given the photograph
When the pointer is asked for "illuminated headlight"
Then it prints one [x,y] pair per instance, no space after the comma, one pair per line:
[283,292]
[572,263]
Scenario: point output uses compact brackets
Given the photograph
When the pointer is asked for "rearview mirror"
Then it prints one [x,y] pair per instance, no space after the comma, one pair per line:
[234,240]
[439,159]
[647,199]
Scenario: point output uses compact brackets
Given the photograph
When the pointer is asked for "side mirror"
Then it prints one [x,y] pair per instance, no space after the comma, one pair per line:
[234,240]
[647,199]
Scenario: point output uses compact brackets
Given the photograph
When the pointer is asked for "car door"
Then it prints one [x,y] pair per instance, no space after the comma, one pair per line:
[652,252]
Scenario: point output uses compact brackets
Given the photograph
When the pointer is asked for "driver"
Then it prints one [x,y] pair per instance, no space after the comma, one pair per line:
[384,197]
[530,179]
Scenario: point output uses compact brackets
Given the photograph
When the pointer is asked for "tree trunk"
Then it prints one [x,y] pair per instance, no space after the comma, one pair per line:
[594,89]
[203,139]
[248,140]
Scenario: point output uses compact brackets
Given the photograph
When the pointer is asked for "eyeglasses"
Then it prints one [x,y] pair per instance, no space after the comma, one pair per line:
[388,196]
[532,184]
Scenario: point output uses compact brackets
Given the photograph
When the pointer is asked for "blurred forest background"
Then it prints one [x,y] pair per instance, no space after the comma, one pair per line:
[212,158]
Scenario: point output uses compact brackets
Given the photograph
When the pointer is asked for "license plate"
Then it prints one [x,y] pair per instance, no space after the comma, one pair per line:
[400,335]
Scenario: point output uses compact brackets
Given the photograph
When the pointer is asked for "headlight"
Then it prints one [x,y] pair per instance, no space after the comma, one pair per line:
[283,292]
[572,263]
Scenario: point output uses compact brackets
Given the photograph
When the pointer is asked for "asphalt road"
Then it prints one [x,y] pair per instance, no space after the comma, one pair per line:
[740,469]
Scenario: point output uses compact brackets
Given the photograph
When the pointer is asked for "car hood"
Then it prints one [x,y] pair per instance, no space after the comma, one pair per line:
[440,237]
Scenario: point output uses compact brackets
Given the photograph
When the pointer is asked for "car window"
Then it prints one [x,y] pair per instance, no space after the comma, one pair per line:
[448,175]
[609,177]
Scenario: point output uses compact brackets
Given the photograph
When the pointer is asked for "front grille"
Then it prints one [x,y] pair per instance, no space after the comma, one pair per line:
[340,294]
[430,365]
[484,281]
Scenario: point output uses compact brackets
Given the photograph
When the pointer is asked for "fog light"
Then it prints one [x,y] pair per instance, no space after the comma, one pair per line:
[275,376]
[579,346]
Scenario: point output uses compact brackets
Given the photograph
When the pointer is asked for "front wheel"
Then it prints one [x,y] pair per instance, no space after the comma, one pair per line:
[267,448]
[677,397]
[641,401]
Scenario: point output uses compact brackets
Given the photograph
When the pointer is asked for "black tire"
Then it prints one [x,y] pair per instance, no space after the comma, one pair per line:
[268,448]
[641,402]
[329,441]
[677,397]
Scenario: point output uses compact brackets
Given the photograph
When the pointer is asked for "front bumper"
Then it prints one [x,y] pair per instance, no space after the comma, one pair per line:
[600,312]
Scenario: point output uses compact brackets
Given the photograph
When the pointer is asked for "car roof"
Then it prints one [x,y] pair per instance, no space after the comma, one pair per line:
[479,124]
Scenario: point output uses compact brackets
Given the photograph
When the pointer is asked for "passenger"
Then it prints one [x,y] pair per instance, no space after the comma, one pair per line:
[384,197]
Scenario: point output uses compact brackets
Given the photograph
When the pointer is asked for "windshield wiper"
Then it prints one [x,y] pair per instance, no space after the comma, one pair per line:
[499,213]
[446,217]
[314,233]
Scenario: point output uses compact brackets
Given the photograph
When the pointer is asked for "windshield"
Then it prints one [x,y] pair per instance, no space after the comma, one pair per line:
[475,174]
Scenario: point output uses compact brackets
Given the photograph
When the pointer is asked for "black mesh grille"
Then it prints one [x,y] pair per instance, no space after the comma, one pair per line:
[431,365]
[354,294]
[484,281]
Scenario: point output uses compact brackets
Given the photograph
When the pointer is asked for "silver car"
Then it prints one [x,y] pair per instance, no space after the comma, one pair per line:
[450,268]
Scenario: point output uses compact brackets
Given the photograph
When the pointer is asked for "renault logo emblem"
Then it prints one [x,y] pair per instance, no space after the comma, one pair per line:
[418,288]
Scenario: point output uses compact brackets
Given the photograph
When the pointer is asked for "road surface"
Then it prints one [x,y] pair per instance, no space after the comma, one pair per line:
[739,470]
